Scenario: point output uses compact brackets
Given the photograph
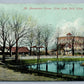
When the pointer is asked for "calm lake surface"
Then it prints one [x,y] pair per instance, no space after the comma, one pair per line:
[71,68]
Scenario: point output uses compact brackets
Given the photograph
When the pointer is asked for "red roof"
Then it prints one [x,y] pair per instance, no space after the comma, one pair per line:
[20,49]
[69,34]
[36,47]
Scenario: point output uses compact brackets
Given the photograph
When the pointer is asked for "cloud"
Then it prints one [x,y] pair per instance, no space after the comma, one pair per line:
[68,26]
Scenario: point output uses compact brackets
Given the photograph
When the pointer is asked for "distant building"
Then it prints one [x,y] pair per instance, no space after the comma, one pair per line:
[65,44]
[21,50]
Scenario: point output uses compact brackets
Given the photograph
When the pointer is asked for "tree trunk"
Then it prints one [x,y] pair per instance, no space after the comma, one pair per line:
[3,52]
[57,48]
[83,46]
[64,52]
[46,51]
[73,46]
[10,51]
[4,41]
[30,51]
[16,56]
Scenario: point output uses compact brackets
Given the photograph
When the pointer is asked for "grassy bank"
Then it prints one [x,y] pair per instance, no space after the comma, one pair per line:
[33,61]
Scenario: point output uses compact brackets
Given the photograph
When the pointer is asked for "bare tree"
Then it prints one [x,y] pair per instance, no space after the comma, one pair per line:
[38,37]
[83,45]
[31,32]
[73,32]
[46,35]
[18,24]
[31,39]
[10,40]
[28,40]
[56,38]
[82,42]
[39,40]
[3,28]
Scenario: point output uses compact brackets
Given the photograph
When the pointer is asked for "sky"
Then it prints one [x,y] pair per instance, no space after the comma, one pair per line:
[41,1]
[63,16]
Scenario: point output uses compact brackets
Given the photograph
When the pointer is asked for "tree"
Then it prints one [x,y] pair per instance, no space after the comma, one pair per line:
[83,45]
[46,35]
[38,37]
[30,37]
[73,38]
[3,28]
[10,40]
[18,25]
[73,32]
[57,40]
[31,33]
[28,40]
[82,42]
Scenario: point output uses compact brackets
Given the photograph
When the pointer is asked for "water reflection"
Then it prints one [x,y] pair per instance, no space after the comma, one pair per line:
[83,70]
[72,68]
[60,66]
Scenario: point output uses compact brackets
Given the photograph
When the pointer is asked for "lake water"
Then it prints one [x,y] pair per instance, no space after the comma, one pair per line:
[71,68]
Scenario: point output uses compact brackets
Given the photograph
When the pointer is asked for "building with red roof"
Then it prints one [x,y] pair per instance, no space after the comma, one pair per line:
[67,42]
[69,34]
[20,50]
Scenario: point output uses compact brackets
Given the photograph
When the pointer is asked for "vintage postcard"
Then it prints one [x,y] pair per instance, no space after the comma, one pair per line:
[41,41]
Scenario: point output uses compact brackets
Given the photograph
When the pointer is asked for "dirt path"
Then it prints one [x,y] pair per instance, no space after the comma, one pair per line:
[10,75]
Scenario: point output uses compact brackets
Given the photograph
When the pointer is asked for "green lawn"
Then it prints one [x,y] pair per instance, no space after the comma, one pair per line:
[43,60]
